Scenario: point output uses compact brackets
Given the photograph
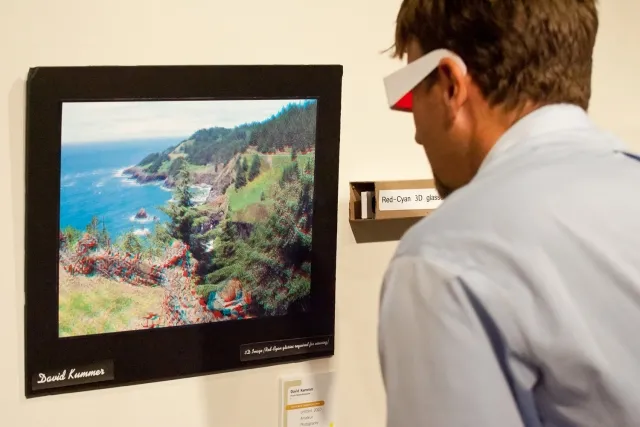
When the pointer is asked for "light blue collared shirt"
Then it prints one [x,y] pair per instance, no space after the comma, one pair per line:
[536,260]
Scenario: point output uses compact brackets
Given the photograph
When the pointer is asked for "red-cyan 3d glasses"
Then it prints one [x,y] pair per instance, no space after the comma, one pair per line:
[400,84]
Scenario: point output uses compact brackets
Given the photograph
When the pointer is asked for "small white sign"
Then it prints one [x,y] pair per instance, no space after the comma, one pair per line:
[307,400]
[408,200]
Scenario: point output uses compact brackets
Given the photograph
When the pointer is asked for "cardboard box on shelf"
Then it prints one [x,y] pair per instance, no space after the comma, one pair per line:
[392,199]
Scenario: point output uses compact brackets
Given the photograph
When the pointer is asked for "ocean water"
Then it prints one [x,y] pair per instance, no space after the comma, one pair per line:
[92,184]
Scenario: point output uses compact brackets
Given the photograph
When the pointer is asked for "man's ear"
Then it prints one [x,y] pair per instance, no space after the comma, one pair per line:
[454,81]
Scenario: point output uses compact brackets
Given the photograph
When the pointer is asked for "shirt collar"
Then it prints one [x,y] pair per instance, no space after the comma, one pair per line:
[544,120]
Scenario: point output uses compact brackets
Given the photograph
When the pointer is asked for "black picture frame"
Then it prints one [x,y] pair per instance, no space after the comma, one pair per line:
[136,357]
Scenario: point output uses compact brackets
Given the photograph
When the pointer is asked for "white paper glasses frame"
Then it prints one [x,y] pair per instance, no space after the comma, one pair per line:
[399,85]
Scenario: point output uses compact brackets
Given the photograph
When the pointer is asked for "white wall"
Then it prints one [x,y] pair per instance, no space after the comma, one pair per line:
[376,144]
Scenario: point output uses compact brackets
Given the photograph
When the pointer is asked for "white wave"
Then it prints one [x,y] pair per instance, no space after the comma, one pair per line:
[119,173]
[142,232]
[131,182]
[73,176]
[200,193]
[142,220]
[126,179]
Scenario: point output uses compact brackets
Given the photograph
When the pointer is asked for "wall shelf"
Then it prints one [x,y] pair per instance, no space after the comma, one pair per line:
[390,207]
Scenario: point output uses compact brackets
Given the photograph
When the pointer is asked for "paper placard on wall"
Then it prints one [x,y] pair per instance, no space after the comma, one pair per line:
[408,199]
[307,400]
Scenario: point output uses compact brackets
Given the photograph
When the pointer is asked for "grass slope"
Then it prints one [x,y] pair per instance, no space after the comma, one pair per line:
[244,202]
[94,305]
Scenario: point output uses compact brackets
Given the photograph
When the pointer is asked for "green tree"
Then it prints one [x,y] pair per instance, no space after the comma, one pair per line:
[159,240]
[103,235]
[255,168]
[181,209]
[92,227]
[309,166]
[289,173]
[98,230]
[157,163]
[279,261]
[241,177]
[176,166]
[229,254]
[245,165]
[71,236]
[304,212]
[131,243]
[149,159]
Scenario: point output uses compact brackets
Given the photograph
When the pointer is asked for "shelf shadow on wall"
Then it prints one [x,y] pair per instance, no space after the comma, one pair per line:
[381,230]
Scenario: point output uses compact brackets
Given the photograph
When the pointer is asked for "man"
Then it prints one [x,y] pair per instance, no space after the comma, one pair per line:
[516,302]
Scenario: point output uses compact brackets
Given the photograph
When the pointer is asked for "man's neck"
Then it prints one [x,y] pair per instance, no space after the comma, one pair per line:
[491,125]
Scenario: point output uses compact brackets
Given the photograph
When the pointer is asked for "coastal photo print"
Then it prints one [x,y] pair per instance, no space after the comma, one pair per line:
[176,213]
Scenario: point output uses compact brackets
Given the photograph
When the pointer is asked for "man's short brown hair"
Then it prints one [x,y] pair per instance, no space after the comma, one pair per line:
[515,50]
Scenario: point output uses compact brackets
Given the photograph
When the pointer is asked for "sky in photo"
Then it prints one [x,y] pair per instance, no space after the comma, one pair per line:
[86,122]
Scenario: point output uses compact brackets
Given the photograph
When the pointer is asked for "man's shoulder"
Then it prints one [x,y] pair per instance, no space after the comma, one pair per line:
[533,201]
[489,212]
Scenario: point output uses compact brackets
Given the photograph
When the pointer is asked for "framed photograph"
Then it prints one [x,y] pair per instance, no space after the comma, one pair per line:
[180,221]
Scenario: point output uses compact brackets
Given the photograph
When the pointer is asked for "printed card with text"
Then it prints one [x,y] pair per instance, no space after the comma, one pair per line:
[307,400]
